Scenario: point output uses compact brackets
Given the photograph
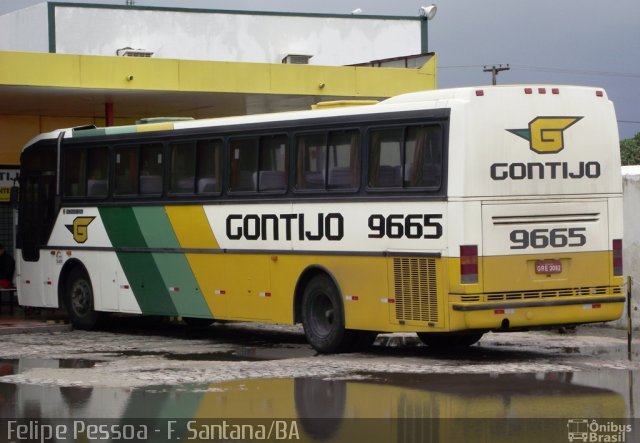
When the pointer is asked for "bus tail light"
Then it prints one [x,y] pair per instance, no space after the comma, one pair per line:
[617,257]
[469,263]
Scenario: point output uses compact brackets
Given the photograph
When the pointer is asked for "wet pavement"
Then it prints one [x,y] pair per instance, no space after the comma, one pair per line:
[152,370]
[18,320]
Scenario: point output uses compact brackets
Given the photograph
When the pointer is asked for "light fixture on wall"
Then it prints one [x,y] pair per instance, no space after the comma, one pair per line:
[428,12]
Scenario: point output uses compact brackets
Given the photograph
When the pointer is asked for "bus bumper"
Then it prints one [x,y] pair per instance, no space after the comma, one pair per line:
[531,314]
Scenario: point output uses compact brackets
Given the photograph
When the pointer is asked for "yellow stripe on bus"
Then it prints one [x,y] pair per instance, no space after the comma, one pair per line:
[149,127]
[193,230]
[192,227]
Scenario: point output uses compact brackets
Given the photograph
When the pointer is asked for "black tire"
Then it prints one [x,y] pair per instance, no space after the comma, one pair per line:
[323,317]
[78,299]
[449,340]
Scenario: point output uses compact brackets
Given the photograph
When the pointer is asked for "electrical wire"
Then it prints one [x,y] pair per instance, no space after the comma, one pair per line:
[534,68]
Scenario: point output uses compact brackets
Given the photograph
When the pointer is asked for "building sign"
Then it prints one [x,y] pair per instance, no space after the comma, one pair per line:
[8,176]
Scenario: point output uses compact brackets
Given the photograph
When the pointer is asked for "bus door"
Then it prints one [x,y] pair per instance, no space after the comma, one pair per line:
[37,203]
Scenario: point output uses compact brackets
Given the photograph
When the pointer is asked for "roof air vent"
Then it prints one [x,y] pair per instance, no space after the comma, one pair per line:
[130,52]
[296,59]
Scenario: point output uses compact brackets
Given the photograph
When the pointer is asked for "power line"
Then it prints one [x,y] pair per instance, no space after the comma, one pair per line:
[576,71]
[534,68]
[459,66]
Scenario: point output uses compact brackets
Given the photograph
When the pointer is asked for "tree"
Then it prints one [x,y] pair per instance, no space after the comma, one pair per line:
[630,150]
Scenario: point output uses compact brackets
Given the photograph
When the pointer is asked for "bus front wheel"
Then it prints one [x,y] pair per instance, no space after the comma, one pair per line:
[79,301]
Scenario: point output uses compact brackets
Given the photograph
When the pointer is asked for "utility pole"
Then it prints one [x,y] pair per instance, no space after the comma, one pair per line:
[494,71]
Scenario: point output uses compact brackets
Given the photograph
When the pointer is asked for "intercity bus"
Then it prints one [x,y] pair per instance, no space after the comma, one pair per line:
[447,213]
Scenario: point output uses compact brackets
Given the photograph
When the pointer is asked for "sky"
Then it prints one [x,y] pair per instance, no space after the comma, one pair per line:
[581,42]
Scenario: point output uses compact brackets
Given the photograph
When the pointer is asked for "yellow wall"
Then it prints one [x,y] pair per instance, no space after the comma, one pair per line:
[17,130]
[90,72]
[63,72]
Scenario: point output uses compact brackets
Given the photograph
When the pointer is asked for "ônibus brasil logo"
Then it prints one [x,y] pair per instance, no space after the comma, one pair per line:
[546,134]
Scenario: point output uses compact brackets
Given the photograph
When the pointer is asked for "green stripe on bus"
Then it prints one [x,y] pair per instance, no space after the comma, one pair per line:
[158,405]
[179,280]
[140,268]
[115,130]
[184,404]
[88,132]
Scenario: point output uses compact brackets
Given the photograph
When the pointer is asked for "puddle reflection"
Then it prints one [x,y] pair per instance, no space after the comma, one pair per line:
[553,394]
[324,409]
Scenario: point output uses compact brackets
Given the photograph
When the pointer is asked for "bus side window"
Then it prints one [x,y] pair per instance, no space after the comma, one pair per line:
[423,153]
[151,172]
[311,161]
[343,161]
[126,170]
[244,165]
[183,167]
[75,163]
[385,158]
[272,175]
[209,166]
[98,172]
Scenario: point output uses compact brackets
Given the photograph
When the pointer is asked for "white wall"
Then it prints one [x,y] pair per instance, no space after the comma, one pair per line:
[25,30]
[234,37]
[631,241]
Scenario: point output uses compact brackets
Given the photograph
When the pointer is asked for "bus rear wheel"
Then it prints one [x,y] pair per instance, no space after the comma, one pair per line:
[323,318]
[79,301]
[449,340]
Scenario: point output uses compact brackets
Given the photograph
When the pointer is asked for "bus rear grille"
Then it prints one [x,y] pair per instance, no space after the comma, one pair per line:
[470,298]
[416,290]
[555,293]
[548,218]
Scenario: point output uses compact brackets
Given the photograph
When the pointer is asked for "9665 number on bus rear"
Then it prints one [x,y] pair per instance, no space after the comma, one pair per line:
[543,238]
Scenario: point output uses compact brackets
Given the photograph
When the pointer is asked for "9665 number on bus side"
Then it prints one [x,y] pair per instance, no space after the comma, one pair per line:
[412,226]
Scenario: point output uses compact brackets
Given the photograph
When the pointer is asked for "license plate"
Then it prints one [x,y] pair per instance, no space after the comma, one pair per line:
[548,267]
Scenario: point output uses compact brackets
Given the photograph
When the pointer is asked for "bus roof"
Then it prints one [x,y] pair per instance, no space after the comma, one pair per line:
[439,98]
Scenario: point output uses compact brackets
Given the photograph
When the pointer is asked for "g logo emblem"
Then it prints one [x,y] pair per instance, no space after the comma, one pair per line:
[80,229]
[546,134]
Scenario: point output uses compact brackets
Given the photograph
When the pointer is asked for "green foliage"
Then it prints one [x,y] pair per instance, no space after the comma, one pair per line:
[630,150]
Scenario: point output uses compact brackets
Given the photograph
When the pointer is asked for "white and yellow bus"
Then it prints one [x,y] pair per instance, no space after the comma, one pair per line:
[448,213]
